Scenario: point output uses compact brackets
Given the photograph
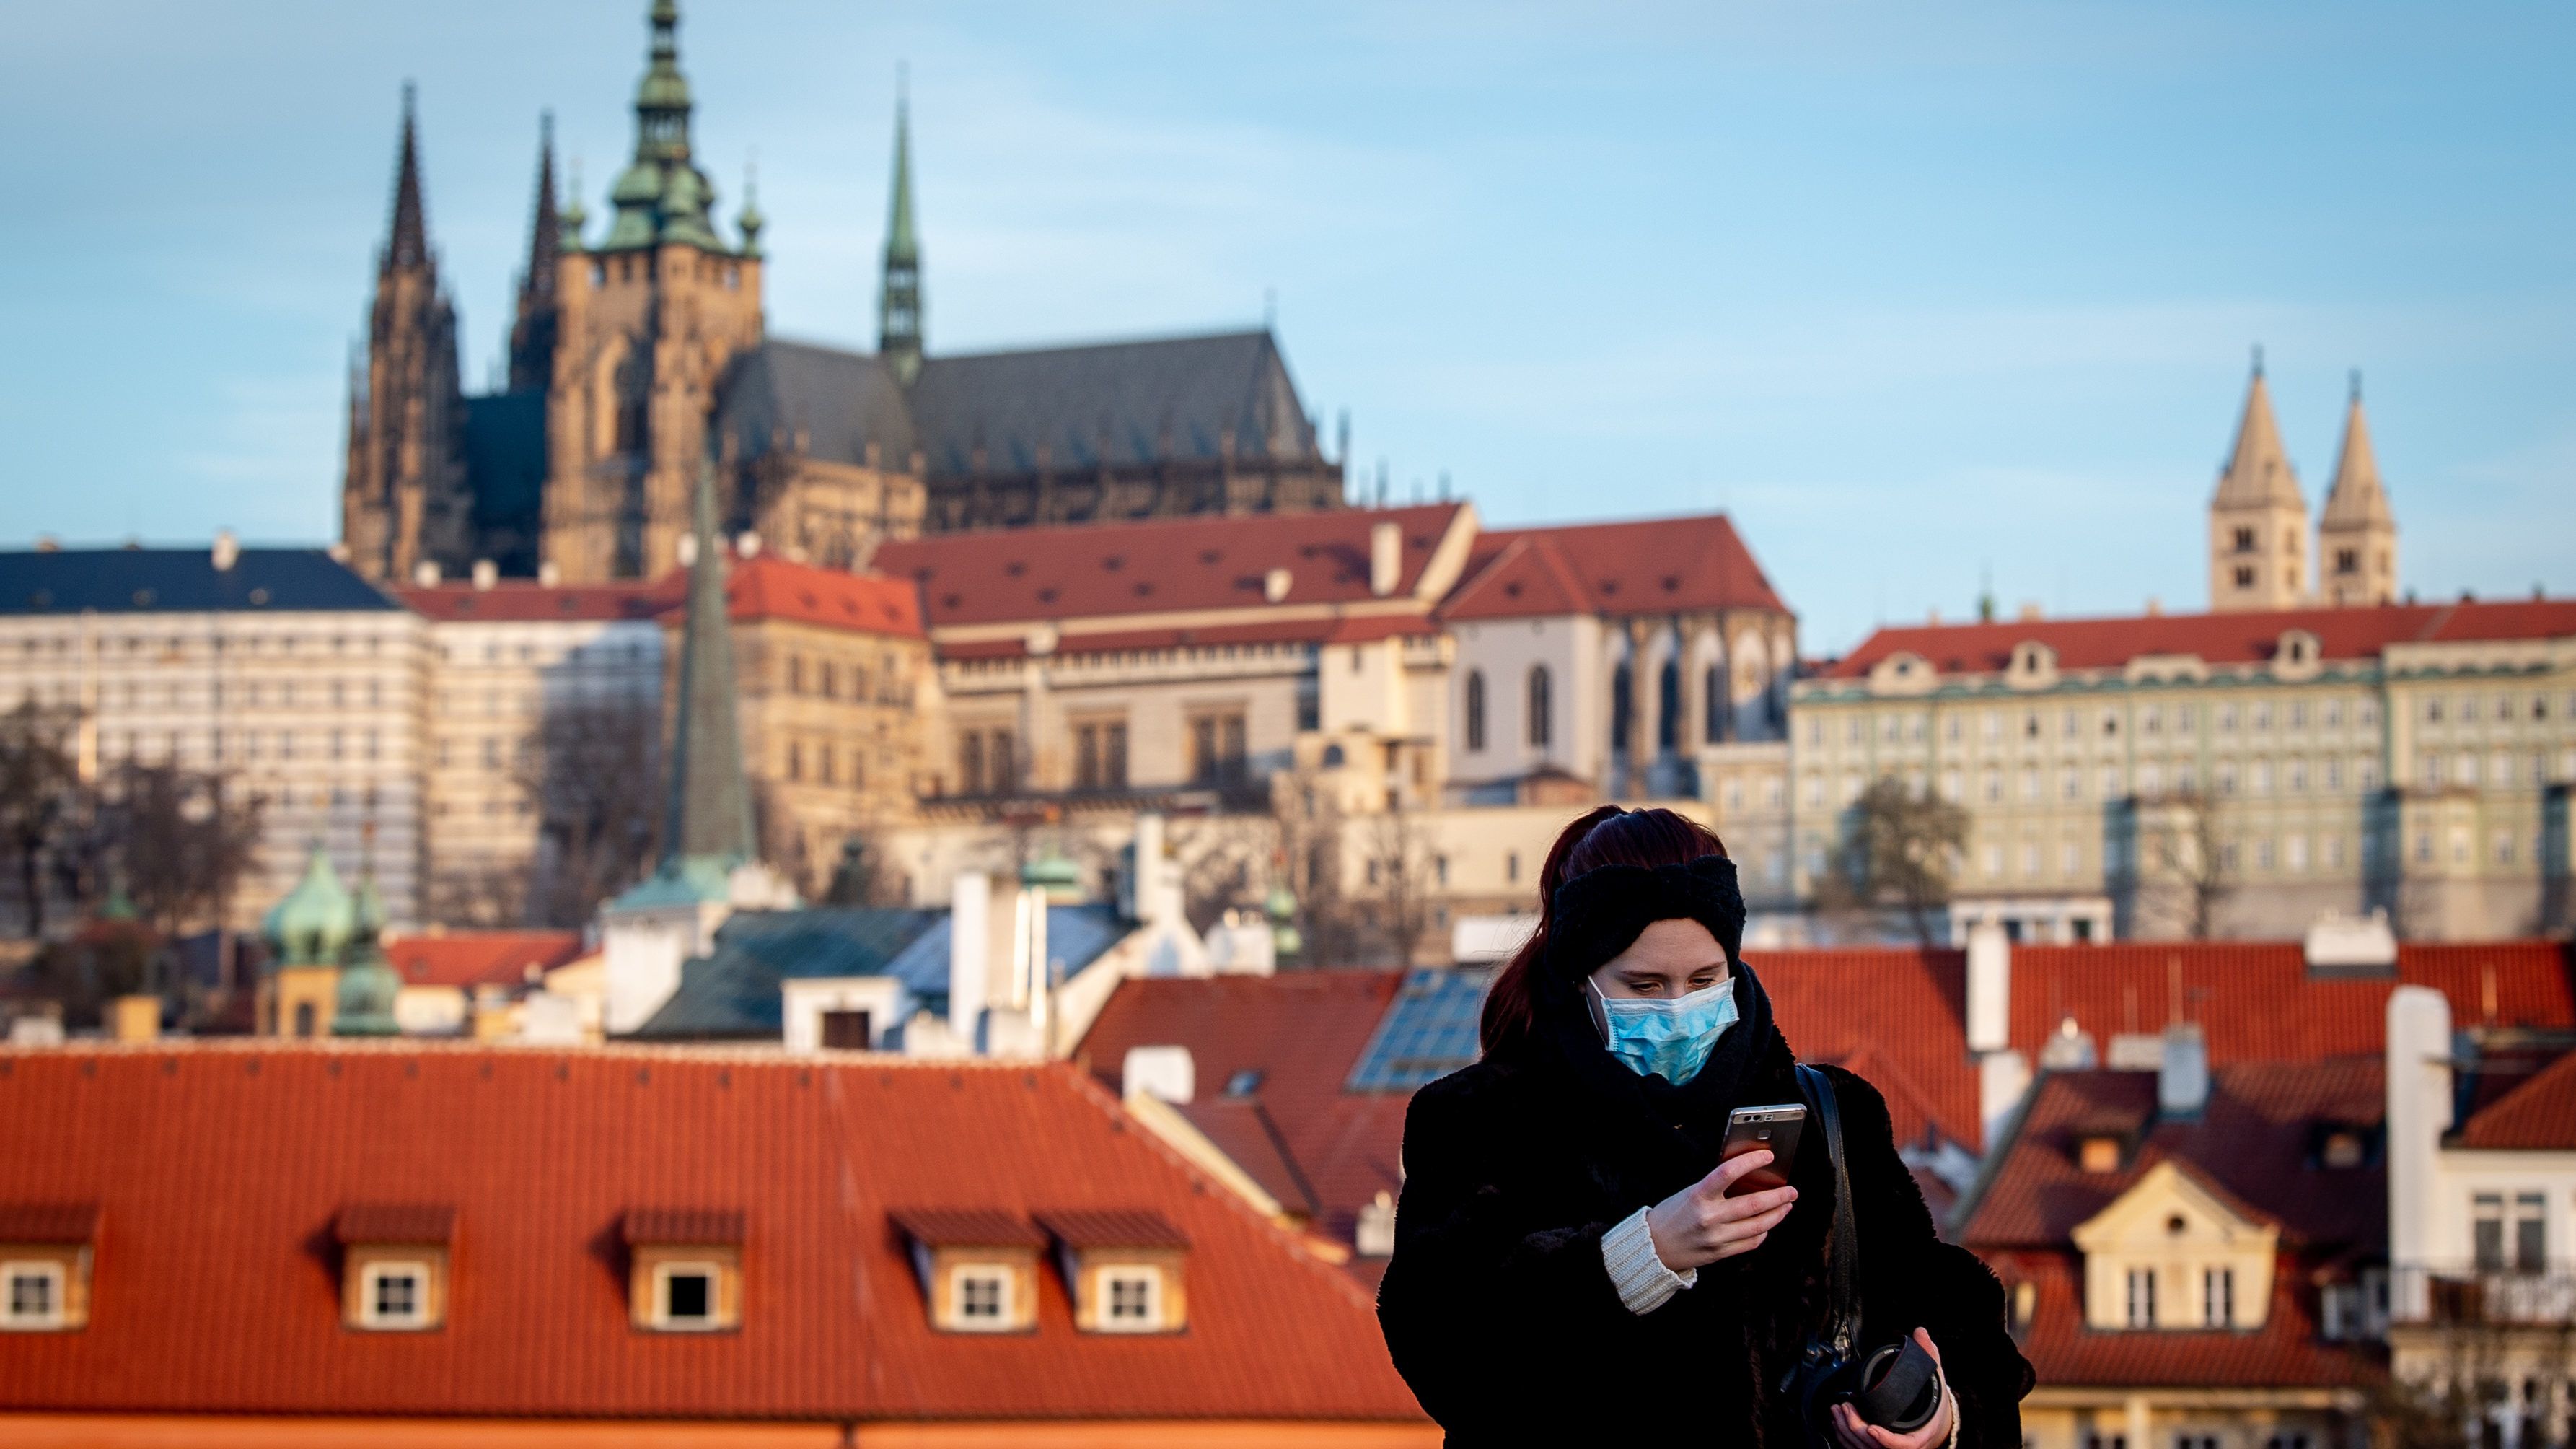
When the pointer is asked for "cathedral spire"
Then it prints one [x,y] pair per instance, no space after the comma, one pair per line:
[662,196]
[532,331]
[2258,522]
[2357,532]
[2356,496]
[899,299]
[408,243]
[710,809]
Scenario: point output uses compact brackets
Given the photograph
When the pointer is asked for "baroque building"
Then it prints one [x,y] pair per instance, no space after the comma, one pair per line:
[636,352]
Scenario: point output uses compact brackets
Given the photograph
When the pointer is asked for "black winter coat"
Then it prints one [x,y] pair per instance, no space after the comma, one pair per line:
[1501,1316]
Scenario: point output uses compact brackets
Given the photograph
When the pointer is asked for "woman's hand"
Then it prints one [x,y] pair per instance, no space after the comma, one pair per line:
[1854,1433]
[1701,1224]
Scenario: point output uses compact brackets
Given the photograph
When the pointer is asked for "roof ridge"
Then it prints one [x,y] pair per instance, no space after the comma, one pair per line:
[1228,334]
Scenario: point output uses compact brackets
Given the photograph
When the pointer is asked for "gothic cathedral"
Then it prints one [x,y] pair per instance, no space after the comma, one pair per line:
[636,354]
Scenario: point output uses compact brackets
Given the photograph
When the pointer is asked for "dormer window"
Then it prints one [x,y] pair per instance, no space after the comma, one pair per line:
[393,1265]
[2097,1152]
[1124,1267]
[45,1251]
[684,1269]
[978,1267]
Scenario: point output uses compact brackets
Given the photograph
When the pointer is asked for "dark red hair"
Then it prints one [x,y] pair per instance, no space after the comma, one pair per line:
[1606,836]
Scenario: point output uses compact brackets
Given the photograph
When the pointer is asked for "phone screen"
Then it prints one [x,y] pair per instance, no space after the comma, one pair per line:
[1752,1129]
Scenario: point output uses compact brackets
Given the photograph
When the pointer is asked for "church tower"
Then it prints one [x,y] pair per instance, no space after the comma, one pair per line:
[2258,522]
[403,499]
[899,294]
[2357,534]
[646,322]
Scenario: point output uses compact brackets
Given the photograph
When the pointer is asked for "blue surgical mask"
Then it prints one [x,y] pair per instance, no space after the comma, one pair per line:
[1668,1037]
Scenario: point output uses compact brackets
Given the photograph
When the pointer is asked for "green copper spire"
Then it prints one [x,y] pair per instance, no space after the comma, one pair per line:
[710,812]
[662,196]
[368,985]
[899,300]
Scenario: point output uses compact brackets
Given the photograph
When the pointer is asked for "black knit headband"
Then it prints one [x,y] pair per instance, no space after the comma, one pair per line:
[1601,912]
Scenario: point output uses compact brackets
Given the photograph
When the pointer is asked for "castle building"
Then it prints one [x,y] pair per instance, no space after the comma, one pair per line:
[636,352]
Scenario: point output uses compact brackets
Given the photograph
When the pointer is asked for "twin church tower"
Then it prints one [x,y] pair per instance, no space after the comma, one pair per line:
[640,354]
[2258,522]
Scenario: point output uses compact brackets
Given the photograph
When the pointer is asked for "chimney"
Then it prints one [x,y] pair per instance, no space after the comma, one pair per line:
[549,574]
[970,923]
[1274,586]
[1386,557]
[1989,987]
[2155,607]
[47,543]
[486,573]
[748,545]
[1165,1073]
[425,573]
[227,550]
[135,1018]
[2182,1081]
[2030,613]
[2419,1112]
[1146,895]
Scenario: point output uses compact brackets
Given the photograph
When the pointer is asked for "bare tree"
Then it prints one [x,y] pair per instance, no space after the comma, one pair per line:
[39,785]
[2183,848]
[1223,859]
[1398,869]
[1309,858]
[595,780]
[183,840]
[1898,852]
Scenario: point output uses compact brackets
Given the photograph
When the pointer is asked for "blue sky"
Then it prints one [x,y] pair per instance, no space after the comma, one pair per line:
[1913,291]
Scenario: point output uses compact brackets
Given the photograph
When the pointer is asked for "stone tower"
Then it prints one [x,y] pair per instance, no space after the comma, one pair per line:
[646,321]
[2357,533]
[2258,522]
[403,498]
[899,293]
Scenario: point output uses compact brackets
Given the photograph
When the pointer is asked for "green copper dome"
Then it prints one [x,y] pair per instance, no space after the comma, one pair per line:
[312,925]
[368,985]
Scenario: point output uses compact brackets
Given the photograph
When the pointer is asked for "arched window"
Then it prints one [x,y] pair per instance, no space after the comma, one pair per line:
[1475,709]
[1713,704]
[1623,709]
[1539,705]
[1668,706]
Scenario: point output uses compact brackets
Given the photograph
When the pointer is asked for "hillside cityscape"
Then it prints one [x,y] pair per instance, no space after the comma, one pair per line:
[764,891]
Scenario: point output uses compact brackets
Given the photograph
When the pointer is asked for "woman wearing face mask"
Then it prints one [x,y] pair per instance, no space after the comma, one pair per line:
[1569,1265]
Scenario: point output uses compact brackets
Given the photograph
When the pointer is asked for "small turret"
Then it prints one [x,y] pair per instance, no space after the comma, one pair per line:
[368,984]
[311,926]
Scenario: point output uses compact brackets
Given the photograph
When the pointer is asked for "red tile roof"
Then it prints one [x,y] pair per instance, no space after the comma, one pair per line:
[1160,565]
[682,1227]
[1301,1031]
[2538,1115]
[1639,566]
[48,1222]
[766,586]
[968,1228]
[2286,1352]
[2247,638]
[2255,1142]
[1366,629]
[479,958]
[525,601]
[1896,1016]
[395,1222]
[208,1268]
[1112,1228]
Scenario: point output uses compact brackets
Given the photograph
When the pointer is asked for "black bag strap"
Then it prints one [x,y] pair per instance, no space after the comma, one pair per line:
[1842,1251]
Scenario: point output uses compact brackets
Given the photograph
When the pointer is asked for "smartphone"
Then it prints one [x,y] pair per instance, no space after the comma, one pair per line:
[1750,1129]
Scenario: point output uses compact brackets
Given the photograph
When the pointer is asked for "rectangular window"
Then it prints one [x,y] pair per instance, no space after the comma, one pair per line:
[2142,1297]
[1113,756]
[1086,757]
[686,1295]
[35,1295]
[2486,1231]
[2530,1232]
[983,1296]
[1131,1299]
[394,1295]
[1004,764]
[2218,1297]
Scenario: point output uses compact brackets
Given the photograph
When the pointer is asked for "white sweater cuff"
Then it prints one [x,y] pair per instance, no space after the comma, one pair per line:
[1644,1283]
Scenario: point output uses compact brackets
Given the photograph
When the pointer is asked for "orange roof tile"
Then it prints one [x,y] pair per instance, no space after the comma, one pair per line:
[1112,1228]
[395,1222]
[967,1228]
[766,586]
[479,958]
[1158,565]
[1639,566]
[2288,1351]
[2537,1115]
[2226,639]
[208,1269]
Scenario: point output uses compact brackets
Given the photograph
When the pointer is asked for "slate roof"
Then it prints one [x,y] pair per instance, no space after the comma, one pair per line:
[733,993]
[838,401]
[215,1264]
[1161,565]
[180,581]
[1156,399]
[2218,639]
[1635,566]
[1139,403]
